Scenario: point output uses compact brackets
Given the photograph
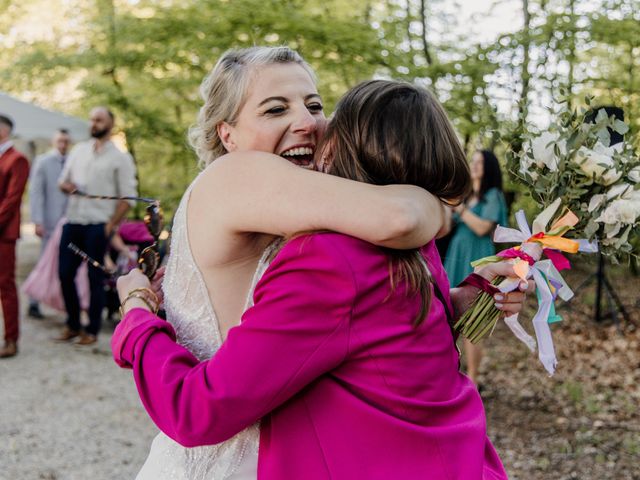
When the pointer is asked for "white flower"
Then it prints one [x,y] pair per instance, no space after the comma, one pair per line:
[543,154]
[526,163]
[623,190]
[628,211]
[599,163]
[611,176]
[634,174]
[618,212]
[595,202]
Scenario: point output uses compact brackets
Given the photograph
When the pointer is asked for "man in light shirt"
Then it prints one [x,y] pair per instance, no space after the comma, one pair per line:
[95,167]
[47,203]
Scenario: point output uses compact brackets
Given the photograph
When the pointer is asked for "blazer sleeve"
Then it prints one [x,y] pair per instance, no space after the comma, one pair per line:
[17,181]
[297,330]
[37,187]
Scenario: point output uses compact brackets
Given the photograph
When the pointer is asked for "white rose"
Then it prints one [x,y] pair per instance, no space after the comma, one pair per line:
[618,191]
[634,174]
[608,216]
[596,162]
[608,151]
[525,166]
[611,176]
[543,154]
[595,202]
[621,211]
[628,211]
[633,195]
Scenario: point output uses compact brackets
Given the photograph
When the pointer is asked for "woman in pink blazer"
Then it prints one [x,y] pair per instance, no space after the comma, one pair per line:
[347,355]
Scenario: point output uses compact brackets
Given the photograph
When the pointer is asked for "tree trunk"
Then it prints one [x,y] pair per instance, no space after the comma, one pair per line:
[525,61]
[425,43]
[409,16]
[631,91]
[571,58]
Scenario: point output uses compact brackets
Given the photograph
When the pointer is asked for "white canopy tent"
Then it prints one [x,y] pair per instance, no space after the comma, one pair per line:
[34,126]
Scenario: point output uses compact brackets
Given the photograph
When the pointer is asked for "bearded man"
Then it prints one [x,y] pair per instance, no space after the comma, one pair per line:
[95,167]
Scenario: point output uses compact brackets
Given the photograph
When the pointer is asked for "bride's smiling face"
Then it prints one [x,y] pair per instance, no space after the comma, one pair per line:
[282,114]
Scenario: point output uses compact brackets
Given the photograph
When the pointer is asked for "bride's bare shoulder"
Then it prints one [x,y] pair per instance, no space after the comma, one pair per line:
[211,209]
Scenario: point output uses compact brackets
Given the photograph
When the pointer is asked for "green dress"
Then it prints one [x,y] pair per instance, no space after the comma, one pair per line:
[466,246]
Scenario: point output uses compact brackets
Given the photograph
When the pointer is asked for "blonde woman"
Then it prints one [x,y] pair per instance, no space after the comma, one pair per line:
[260,100]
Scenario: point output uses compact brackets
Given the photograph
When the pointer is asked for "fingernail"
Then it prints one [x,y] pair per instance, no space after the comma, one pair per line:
[498,297]
[499,305]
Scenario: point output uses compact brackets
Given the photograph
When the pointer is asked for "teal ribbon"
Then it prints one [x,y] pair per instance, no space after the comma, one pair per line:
[553,315]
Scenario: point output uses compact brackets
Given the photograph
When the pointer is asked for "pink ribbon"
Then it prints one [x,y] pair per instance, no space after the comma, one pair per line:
[558,259]
[513,253]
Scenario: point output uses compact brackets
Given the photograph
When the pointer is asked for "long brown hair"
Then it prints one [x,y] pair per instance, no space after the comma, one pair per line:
[387,132]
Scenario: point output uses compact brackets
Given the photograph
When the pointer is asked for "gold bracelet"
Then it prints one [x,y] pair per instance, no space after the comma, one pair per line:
[148,291]
[154,308]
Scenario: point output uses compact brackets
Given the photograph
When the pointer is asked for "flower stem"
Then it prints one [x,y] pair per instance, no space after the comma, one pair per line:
[481,316]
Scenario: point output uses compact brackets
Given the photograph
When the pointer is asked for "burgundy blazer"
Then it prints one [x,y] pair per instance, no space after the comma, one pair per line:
[14,172]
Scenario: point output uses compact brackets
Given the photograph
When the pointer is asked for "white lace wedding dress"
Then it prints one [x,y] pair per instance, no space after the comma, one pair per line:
[192,315]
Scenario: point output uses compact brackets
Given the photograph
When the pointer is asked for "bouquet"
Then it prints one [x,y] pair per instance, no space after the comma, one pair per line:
[588,191]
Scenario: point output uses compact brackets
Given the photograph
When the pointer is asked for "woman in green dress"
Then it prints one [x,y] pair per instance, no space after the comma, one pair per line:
[475,219]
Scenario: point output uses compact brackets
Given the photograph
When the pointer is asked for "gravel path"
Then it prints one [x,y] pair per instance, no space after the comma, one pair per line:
[67,412]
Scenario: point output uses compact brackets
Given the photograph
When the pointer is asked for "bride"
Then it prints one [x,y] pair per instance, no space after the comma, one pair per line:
[260,99]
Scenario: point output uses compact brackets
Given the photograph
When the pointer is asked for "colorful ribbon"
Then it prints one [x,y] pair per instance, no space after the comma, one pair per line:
[546,273]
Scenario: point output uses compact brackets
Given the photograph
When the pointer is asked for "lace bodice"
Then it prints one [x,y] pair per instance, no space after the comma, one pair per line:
[193,317]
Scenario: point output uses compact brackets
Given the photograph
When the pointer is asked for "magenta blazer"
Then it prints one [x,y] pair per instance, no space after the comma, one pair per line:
[328,360]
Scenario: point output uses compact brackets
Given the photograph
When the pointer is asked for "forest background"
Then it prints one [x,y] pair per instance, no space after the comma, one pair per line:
[146,59]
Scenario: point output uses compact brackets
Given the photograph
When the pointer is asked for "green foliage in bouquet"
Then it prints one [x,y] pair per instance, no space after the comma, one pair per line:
[572,161]
[570,167]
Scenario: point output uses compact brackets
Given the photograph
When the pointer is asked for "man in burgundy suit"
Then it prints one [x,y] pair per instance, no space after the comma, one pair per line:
[14,171]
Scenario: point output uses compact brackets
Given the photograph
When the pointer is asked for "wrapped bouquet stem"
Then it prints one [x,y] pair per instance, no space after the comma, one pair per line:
[527,262]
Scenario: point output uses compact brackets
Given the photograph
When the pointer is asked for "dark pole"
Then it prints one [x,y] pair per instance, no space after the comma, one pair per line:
[599,284]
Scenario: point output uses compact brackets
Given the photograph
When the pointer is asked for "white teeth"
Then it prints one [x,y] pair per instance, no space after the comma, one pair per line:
[298,151]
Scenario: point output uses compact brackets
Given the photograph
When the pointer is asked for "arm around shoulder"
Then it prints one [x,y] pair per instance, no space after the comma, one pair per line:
[261,192]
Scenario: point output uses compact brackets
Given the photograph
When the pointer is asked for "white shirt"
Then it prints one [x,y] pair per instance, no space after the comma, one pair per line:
[106,172]
[5,146]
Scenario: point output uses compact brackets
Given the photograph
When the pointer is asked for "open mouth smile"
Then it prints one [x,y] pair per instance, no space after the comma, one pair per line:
[299,155]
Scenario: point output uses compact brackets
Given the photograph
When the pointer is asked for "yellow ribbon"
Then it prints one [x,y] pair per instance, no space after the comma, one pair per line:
[556,242]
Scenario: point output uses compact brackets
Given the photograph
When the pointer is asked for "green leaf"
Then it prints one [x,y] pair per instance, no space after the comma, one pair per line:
[602,116]
[591,228]
[620,127]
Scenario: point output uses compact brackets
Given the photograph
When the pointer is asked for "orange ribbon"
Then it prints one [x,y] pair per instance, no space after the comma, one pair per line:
[556,242]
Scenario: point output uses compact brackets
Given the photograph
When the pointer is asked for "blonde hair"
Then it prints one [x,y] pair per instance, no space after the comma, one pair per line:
[224,91]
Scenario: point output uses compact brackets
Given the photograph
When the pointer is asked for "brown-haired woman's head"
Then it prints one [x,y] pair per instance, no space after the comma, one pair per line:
[384,132]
